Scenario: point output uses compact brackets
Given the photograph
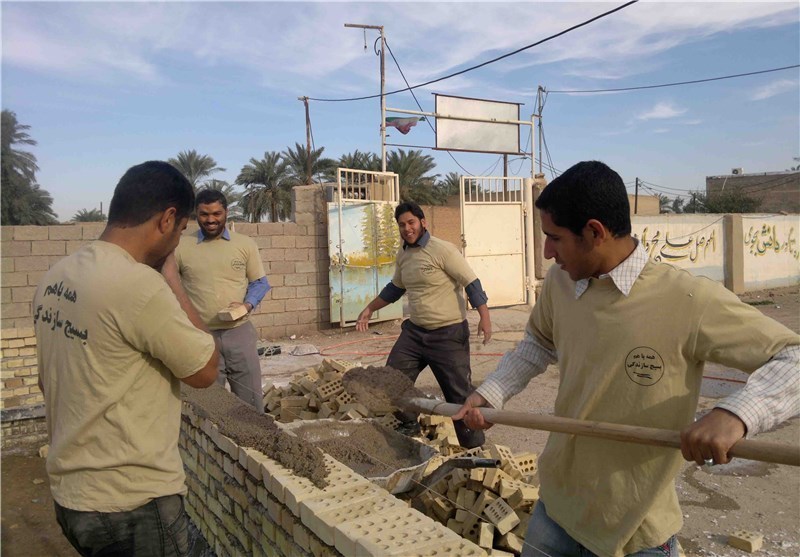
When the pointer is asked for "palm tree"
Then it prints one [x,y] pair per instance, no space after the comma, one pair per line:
[297,166]
[360,161]
[412,168]
[89,215]
[266,188]
[451,185]
[194,166]
[664,203]
[23,200]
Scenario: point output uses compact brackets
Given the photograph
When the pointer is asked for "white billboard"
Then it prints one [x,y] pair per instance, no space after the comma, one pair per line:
[482,137]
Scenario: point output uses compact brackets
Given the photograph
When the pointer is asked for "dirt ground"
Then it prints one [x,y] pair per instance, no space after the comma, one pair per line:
[743,495]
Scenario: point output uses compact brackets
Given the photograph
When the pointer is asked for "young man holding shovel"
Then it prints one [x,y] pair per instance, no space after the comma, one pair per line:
[434,274]
[631,337]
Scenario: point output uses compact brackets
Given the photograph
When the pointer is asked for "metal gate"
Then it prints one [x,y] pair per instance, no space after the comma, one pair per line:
[362,242]
[493,236]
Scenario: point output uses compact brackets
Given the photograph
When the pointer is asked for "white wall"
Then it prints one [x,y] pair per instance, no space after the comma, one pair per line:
[691,242]
[771,251]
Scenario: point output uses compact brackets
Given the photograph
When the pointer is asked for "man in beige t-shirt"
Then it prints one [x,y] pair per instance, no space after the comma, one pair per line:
[435,275]
[222,270]
[116,335]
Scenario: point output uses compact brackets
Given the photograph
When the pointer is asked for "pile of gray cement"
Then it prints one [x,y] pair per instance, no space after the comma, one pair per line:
[248,428]
[380,388]
[369,449]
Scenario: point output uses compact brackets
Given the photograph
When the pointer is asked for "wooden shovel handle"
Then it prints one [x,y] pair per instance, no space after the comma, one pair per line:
[745,448]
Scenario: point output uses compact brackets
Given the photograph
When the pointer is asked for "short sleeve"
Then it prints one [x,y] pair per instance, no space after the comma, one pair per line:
[255,268]
[454,264]
[163,330]
[397,278]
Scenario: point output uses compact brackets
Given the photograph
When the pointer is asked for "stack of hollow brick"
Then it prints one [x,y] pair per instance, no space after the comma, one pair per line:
[440,433]
[245,503]
[488,506]
[19,373]
[319,393]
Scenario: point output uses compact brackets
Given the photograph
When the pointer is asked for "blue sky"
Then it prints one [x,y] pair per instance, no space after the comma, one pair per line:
[108,85]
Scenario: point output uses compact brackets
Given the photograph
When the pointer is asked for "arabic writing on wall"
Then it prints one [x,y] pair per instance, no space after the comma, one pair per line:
[764,240]
[660,247]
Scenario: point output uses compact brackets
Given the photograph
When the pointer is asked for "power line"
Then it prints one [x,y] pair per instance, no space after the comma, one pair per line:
[482,64]
[675,83]
[410,89]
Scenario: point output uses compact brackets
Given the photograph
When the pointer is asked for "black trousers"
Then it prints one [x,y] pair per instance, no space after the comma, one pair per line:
[446,352]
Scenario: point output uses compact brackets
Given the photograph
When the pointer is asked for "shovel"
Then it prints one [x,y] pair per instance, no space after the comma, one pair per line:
[745,448]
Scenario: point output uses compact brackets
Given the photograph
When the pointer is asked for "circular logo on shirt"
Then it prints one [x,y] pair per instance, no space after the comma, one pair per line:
[238,265]
[644,366]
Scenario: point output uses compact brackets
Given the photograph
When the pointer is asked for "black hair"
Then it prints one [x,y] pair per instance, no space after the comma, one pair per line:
[208,196]
[588,190]
[409,207]
[148,189]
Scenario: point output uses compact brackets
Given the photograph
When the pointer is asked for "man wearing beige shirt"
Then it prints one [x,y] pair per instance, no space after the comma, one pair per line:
[434,275]
[631,337]
[117,335]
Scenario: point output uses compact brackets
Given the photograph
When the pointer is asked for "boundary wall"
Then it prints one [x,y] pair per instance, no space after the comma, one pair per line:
[743,251]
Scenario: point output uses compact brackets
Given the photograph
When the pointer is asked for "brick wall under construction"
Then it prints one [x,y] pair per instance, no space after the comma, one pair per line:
[245,503]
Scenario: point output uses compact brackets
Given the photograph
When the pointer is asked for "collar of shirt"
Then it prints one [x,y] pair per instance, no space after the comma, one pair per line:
[623,275]
[421,242]
[200,236]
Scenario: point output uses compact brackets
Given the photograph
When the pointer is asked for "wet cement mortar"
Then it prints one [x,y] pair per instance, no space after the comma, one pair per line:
[248,428]
[382,389]
[369,449]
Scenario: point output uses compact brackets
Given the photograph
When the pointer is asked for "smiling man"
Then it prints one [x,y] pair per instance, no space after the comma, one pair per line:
[434,274]
[222,270]
[630,337]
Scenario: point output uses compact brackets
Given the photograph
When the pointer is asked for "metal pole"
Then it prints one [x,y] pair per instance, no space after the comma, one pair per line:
[308,138]
[541,132]
[383,102]
[383,87]
[636,198]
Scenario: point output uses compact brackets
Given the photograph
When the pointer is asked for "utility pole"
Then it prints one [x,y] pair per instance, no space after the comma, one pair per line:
[540,102]
[636,198]
[383,87]
[308,136]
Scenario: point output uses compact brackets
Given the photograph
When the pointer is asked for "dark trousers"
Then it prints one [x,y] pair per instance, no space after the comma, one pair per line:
[446,352]
[239,364]
[158,528]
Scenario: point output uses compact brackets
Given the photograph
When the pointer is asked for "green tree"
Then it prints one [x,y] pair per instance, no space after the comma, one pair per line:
[360,161]
[664,203]
[89,215]
[297,165]
[23,201]
[195,167]
[677,205]
[267,191]
[731,200]
[412,168]
[795,159]
[451,185]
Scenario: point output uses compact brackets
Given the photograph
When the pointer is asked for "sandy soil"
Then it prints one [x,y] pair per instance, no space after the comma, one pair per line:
[749,495]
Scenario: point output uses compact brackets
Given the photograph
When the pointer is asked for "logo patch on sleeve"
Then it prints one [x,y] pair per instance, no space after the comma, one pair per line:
[644,366]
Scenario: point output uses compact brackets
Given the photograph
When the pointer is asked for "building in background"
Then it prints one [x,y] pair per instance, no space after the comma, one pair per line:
[777,191]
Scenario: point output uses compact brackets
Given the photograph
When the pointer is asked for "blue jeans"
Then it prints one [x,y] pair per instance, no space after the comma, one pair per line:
[545,538]
[160,527]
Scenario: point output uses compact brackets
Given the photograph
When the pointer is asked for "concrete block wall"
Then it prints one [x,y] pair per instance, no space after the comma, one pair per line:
[295,257]
[19,372]
[245,503]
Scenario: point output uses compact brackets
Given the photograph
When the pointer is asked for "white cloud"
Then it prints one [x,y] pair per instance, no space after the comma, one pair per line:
[661,111]
[774,88]
[294,45]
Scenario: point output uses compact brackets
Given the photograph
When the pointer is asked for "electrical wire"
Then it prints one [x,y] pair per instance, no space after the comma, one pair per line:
[410,89]
[482,64]
[674,84]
